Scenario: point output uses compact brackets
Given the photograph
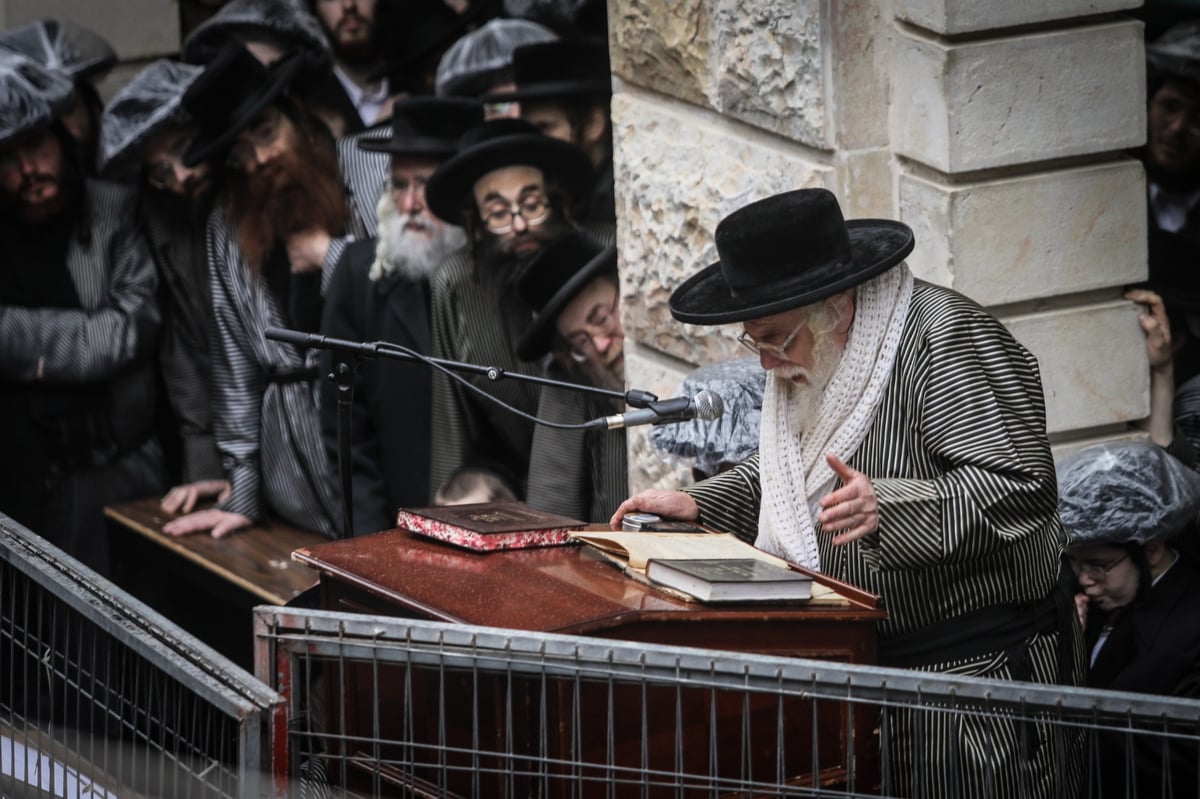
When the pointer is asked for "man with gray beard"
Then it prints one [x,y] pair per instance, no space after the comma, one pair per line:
[902,448]
[380,292]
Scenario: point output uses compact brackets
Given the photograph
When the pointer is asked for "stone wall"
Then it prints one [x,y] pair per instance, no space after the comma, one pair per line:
[996,130]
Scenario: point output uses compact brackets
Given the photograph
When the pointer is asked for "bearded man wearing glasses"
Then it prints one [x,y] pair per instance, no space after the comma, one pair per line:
[509,186]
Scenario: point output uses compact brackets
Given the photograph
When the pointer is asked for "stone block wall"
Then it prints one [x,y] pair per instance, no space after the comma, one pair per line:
[996,130]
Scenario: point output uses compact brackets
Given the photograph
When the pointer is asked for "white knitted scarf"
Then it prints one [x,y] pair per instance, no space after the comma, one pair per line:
[793,472]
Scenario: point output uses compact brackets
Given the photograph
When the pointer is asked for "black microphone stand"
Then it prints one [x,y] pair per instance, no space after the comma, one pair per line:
[346,357]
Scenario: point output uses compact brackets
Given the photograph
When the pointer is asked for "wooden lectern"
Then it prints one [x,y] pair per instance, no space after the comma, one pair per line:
[570,590]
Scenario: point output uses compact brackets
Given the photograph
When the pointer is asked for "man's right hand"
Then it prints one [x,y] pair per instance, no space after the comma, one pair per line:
[668,504]
[183,498]
[220,522]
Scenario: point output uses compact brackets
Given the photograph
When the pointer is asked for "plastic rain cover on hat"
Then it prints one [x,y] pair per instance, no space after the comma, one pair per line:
[1125,492]
[146,105]
[731,437]
[483,51]
[31,96]
[289,21]
[63,45]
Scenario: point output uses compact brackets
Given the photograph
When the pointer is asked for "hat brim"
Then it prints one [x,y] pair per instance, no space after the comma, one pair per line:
[415,146]
[538,337]
[550,90]
[449,187]
[205,145]
[876,245]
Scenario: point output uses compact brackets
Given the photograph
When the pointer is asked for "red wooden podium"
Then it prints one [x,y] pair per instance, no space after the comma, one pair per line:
[571,590]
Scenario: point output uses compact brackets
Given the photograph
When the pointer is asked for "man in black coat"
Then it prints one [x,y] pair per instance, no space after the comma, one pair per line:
[380,292]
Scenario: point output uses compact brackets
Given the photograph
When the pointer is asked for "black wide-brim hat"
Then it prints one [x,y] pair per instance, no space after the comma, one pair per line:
[785,252]
[561,68]
[426,126]
[1176,53]
[500,143]
[551,280]
[229,96]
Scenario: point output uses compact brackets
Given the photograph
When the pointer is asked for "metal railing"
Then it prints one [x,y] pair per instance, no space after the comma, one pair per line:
[386,706]
[100,695]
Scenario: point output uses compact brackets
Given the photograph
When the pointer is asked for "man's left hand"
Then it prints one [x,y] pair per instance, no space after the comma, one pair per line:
[306,250]
[851,511]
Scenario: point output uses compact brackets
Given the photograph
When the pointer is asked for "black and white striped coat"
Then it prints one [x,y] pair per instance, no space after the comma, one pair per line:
[364,173]
[968,519]
[268,432]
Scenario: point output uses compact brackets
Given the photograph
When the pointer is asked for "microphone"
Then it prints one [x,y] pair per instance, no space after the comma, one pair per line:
[705,405]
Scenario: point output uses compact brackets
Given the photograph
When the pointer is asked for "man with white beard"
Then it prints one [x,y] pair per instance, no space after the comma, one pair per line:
[903,449]
[380,292]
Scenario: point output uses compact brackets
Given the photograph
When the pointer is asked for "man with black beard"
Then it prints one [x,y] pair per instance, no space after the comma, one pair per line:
[273,239]
[509,186]
[144,132]
[572,285]
[78,324]
[353,36]
[380,292]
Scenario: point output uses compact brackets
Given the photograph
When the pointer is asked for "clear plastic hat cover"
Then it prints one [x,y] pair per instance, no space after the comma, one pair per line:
[31,96]
[730,438]
[1121,492]
[146,105]
[486,50]
[63,45]
[287,20]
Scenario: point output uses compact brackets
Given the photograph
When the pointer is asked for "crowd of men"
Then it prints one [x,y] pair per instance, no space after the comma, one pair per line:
[439,177]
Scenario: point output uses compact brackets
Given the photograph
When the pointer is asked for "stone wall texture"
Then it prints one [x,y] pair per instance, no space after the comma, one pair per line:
[996,130]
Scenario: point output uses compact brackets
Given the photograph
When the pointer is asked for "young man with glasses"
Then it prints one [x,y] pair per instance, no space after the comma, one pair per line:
[78,324]
[145,132]
[1127,510]
[573,287]
[509,187]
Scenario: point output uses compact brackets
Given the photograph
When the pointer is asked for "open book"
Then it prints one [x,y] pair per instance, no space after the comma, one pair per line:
[633,551]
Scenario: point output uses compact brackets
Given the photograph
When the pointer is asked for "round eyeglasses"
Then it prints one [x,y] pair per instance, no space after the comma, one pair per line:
[533,209]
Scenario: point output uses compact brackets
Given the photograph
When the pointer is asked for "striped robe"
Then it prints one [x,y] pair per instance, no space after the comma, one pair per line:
[578,473]
[269,433]
[470,324]
[364,173]
[958,455]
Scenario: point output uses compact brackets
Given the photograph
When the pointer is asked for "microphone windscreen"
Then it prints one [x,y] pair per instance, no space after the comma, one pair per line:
[709,405]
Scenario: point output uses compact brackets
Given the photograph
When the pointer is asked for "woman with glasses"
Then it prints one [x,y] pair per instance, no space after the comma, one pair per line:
[1125,509]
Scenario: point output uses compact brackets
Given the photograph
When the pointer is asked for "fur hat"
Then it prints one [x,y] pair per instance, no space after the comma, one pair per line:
[785,252]
[551,280]
[500,143]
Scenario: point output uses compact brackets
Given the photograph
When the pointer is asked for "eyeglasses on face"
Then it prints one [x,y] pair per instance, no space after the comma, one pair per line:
[583,342]
[261,135]
[500,219]
[162,174]
[1093,570]
[778,351]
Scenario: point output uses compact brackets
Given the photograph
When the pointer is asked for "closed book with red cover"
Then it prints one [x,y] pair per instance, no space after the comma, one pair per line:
[487,526]
[730,580]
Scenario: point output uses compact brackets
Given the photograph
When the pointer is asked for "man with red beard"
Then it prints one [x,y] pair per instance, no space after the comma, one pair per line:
[510,187]
[353,36]
[144,132]
[380,292]
[78,323]
[272,241]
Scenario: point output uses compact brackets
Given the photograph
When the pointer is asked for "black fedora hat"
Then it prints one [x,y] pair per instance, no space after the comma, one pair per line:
[562,68]
[233,90]
[551,279]
[499,143]
[429,126]
[784,252]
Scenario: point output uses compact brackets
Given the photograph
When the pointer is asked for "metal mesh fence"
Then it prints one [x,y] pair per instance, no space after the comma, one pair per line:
[100,696]
[392,707]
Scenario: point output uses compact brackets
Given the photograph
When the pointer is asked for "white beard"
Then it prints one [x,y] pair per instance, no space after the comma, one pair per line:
[413,253]
[805,399]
